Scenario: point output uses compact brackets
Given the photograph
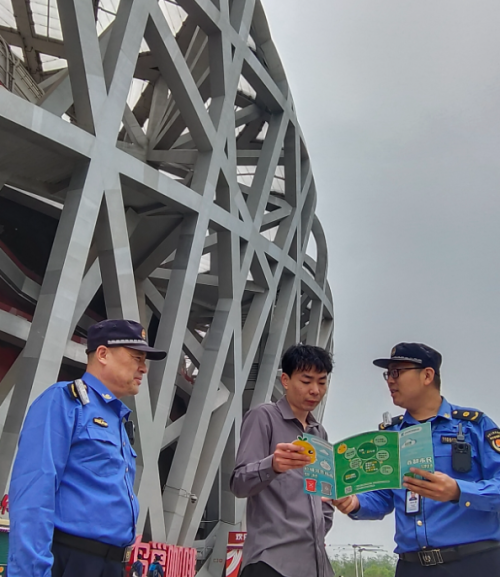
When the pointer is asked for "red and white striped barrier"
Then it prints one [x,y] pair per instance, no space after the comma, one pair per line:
[235,541]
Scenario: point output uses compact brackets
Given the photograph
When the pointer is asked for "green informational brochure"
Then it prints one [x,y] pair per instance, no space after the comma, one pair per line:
[366,462]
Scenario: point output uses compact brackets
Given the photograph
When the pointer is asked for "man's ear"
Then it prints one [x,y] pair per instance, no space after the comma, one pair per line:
[101,354]
[429,376]
[285,379]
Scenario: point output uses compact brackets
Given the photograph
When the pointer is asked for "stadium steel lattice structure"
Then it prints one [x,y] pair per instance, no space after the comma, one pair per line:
[152,167]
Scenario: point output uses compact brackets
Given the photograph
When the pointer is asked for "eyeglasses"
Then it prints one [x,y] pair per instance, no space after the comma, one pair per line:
[394,373]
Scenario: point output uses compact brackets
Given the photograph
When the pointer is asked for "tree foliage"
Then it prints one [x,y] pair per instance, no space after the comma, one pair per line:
[380,566]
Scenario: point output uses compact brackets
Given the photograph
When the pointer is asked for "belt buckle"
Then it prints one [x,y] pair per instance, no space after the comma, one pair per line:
[127,553]
[430,558]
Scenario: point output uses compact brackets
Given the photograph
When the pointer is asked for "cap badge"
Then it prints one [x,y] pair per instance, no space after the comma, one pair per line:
[393,352]
[143,334]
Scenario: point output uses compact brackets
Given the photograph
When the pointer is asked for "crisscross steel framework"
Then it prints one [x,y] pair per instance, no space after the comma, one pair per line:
[176,168]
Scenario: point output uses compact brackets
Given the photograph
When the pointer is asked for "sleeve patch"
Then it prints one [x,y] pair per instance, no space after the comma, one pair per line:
[493,438]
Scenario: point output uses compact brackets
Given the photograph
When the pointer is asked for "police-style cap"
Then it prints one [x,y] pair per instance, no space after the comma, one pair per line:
[413,353]
[121,333]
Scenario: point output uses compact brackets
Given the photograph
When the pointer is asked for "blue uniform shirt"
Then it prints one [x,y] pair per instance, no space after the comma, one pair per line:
[475,517]
[75,471]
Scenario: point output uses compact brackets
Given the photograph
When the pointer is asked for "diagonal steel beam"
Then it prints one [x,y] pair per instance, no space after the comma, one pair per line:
[26,27]
[84,61]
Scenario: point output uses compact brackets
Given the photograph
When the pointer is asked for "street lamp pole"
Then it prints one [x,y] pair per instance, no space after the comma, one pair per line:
[358,553]
[355,550]
[370,548]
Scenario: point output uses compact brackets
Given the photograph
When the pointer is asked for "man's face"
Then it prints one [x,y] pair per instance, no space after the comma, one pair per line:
[305,389]
[124,370]
[407,388]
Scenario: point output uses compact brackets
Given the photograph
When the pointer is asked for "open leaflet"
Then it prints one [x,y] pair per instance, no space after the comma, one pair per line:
[366,462]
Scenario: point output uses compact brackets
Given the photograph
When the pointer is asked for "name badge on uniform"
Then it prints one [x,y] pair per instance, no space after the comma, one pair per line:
[412,503]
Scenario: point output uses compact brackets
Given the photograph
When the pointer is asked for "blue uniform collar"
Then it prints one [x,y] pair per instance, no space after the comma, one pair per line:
[105,394]
[444,412]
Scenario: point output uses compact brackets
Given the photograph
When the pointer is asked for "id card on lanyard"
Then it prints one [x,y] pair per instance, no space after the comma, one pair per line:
[413,503]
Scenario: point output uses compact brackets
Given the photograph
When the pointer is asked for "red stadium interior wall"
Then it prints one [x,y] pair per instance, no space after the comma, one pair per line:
[8,354]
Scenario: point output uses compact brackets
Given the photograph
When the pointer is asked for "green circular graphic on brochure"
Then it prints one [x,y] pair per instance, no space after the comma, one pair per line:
[382,455]
[386,470]
[380,440]
[350,453]
[367,450]
[355,463]
[350,477]
[371,466]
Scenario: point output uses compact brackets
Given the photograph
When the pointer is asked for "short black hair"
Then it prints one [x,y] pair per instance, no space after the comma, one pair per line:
[305,357]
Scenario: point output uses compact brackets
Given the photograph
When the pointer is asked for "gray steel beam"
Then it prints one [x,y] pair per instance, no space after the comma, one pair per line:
[39,44]
[84,61]
[142,234]
[25,25]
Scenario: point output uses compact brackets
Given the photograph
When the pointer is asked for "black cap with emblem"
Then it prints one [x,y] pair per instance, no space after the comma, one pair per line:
[121,333]
[417,353]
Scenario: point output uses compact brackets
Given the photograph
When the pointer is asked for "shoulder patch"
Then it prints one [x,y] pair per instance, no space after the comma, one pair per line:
[100,421]
[78,391]
[395,421]
[71,390]
[493,438]
[468,415]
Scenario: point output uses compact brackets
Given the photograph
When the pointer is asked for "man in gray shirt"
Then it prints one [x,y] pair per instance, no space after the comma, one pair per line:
[286,528]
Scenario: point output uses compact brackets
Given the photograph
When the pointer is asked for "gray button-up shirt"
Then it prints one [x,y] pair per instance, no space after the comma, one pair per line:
[286,527]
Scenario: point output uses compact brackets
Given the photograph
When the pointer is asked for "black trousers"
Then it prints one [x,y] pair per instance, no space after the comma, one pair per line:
[259,569]
[485,564]
[69,562]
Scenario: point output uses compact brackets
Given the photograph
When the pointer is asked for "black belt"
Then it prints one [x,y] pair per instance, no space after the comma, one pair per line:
[428,557]
[109,552]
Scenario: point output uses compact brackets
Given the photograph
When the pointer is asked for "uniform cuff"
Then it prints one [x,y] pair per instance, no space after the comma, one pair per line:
[266,471]
[468,495]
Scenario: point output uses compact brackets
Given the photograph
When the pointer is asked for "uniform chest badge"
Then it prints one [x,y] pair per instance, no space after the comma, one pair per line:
[448,440]
[101,422]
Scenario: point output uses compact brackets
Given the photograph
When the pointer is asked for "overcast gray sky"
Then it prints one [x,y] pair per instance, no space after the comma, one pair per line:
[399,102]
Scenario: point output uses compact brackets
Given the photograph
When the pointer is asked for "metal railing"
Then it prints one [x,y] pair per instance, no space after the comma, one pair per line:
[14,76]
